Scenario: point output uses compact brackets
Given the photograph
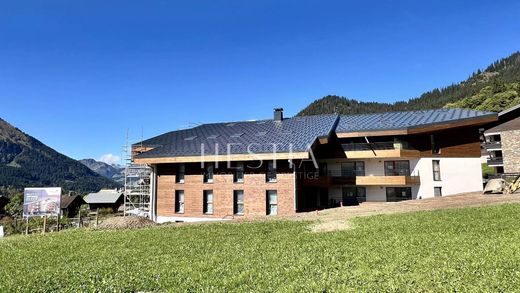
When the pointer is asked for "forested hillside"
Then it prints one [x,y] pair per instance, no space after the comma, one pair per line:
[494,89]
[26,162]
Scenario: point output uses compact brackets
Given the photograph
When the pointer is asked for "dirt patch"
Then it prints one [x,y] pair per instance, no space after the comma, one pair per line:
[337,218]
[129,222]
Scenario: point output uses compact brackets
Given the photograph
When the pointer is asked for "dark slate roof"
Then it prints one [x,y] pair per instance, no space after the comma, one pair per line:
[66,201]
[296,133]
[508,126]
[405,120]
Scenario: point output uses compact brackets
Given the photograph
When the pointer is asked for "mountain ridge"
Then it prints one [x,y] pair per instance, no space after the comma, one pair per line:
[27,162]
[494,89]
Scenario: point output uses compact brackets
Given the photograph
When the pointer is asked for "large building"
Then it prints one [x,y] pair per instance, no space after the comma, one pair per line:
[502,142]
[283,165]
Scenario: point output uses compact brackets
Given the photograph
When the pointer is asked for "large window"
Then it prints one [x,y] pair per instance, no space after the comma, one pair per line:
[179,201]
[271,172]
[352,169]
[354,194]
[272,202]
[208,202]
[208,173]
[398,193]
[436,165]
[238,202]
[181,170]
[239,173]
[397,168]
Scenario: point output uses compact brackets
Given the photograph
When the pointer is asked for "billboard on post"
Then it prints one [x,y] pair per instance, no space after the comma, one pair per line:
[41,201]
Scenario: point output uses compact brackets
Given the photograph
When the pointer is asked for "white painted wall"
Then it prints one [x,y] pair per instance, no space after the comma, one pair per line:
[458,175]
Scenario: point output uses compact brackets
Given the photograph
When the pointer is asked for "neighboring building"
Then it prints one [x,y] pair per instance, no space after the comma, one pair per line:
[70,205]
[502,143]
[105,198]
[283,166]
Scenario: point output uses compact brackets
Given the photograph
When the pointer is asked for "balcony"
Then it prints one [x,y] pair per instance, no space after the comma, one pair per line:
[495,162]
[399,178]
[388,180]
[496,145]
[379,150]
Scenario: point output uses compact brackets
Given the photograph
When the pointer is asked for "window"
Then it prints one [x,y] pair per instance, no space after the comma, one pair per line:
[354,194]
[271,172]
[208,202]
[436,165]
[397,168]
[398,193]
[238,202]
[322,169]
[179,201]
[435,147]
[352,169]
[208,173]
[272,202]
[437,191]
[239,173]
[181,170]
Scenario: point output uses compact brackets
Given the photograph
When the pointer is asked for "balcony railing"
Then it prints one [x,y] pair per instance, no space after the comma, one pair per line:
[495,161]
[493,145]
[379,150]
[369,146]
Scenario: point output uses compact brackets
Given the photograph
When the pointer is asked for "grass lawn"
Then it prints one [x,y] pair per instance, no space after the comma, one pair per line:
[472,249]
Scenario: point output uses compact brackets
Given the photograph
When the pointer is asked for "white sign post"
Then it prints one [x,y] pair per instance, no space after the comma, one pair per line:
[1,231]
[38,202]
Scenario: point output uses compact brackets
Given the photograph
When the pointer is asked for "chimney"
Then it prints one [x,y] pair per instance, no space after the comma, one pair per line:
[278,114]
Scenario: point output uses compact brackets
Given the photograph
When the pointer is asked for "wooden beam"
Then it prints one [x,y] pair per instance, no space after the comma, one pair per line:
[223,158]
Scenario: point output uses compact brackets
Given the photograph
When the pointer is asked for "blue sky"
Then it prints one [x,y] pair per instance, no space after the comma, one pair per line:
[78,74]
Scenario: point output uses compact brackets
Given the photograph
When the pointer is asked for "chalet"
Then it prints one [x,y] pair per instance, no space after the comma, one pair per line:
[70,205]
[105,198]
[282,166]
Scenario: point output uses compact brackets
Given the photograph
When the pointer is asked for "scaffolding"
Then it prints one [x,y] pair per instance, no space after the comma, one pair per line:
[137,189]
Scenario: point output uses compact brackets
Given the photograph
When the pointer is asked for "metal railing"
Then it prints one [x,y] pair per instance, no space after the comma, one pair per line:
[493,145]
[345,173]
[375,146]
[495,161]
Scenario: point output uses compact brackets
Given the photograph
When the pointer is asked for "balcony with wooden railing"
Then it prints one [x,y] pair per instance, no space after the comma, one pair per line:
[379,150]
[342,177]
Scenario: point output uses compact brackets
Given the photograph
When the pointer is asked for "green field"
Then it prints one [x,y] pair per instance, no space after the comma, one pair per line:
[473,249]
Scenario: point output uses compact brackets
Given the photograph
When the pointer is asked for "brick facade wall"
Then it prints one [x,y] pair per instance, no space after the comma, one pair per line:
[254,186]
[511,150]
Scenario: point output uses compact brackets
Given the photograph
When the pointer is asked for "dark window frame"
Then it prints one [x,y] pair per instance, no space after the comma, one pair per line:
[206,203]
[209,171]
[439,193]
[356,171]
[180,205]
[356,191]
[271,175]
[396,191]
[181,174]
[436,173]
[237,203]
[393,172]
[269,204]
[238,175]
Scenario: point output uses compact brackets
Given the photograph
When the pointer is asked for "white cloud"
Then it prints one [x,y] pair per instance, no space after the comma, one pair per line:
[110,159]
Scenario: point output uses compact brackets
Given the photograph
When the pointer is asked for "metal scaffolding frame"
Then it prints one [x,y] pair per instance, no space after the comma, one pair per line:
[137,189]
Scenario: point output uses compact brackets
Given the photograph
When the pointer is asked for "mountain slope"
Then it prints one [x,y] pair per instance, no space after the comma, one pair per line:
[494,89]
[106,170]
[26,162]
